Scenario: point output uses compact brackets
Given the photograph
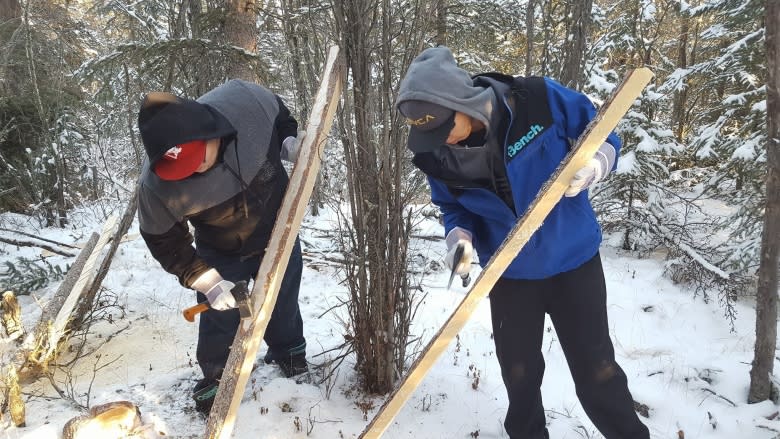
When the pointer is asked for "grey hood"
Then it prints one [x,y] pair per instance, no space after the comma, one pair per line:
[435,77]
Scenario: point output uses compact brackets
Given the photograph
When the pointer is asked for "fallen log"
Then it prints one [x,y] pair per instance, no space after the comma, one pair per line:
[40,346]
[45,247]
[119,236]
[26,363]
[30,235]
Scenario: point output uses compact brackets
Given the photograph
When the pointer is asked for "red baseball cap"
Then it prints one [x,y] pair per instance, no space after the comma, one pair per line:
[181,161]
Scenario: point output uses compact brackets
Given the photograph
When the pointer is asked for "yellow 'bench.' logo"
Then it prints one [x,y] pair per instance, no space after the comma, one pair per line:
[421,121]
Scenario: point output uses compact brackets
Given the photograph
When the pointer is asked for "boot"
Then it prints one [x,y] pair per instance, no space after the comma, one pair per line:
[204,394]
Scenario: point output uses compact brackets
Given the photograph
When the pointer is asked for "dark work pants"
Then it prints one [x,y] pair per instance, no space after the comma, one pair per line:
[218,328]
[576,303]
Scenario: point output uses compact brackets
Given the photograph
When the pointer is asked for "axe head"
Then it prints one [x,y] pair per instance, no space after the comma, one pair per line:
[455,262]
[240,292]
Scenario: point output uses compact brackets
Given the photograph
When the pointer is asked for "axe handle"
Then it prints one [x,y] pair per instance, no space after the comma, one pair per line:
[191,312]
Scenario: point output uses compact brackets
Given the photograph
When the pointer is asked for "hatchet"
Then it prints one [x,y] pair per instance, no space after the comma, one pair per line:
[456,260]
[240,292]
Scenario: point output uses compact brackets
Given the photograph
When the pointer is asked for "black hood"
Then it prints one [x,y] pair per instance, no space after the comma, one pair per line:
[165,121]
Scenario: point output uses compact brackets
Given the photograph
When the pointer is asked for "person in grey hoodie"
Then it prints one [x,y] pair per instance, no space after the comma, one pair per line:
[214,166]
[488,143]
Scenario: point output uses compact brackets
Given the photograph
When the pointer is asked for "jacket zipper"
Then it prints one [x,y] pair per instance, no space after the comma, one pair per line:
[503,151]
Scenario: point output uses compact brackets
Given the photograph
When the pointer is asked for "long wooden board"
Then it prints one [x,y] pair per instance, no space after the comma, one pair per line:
[589,142]
[57,328]
[274,263]
[40,346]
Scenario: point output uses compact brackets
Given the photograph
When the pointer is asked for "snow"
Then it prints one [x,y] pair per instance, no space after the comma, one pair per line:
[600,84]
[627,163]
[648,10]
[746,151]
[759,107]
[679,353]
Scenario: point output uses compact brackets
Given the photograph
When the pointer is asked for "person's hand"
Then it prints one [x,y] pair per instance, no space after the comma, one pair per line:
[594,171]
[219,296]
[216,290]
[291,145]
[459,236]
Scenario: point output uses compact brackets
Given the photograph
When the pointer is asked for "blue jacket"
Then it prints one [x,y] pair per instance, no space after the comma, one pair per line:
[545,120]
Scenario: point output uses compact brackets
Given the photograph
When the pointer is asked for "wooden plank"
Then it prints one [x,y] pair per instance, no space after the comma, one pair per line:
[25,358]
[274,263]
[39,350]
[120,235]
[549,195]
[57,328]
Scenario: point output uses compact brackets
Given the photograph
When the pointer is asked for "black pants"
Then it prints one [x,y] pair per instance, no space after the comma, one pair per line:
[576,303]
[284,334]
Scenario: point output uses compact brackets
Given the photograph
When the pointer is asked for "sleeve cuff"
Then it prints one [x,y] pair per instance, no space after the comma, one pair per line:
[288,145]
[456,234]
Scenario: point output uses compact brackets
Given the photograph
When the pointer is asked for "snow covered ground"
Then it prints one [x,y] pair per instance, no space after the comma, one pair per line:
[681,358]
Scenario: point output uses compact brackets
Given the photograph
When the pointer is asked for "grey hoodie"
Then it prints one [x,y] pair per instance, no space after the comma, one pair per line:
[230,216]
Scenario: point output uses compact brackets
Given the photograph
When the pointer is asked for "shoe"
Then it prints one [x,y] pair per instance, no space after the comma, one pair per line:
[291,365]
[204,394]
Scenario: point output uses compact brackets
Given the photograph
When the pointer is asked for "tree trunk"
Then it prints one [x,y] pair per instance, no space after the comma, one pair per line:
[680,101]
[241,31]
[367,282]
[766,295]
[378,47]
[576,43]
[547,63]
[303,51]
[630,207]
[529,37]
[10,18]
[10,10]
[441,22]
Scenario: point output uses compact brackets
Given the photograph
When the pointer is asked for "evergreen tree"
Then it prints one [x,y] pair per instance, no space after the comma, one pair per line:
[731,134]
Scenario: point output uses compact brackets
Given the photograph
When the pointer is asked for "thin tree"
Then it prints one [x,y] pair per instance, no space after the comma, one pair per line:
[441,22]
[379,41]
[578,33]
[241,31]
[300,23]
[766,294]
[529,37]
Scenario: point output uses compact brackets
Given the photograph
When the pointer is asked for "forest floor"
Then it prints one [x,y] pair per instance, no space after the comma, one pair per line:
[682,357]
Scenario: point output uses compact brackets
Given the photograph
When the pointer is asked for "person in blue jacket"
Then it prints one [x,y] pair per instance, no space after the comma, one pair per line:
[487,144]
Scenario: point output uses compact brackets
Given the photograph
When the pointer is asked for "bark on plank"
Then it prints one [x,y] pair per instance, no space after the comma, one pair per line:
[274,263]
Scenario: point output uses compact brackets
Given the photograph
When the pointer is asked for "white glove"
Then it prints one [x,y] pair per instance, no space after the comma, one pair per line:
[459,236]
[290,147]
[594,171]
[216,290]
